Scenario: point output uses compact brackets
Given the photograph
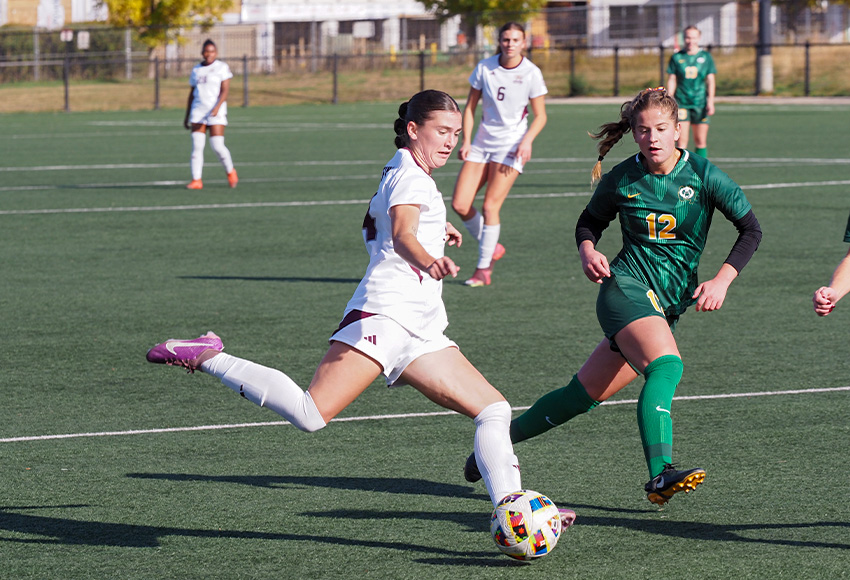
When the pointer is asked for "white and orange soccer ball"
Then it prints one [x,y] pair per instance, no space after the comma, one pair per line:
[526,525]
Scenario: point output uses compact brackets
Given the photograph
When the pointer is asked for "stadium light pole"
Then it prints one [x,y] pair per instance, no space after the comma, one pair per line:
[765,58]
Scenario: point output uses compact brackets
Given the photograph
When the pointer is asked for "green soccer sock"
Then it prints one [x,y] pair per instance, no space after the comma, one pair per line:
[552,409]
[653,411]
[703,151]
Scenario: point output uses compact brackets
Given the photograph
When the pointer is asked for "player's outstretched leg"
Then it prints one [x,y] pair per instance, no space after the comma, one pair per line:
[662,487]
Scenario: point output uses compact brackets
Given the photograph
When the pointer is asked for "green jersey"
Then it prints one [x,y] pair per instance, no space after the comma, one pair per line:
[690,71]
[665,221]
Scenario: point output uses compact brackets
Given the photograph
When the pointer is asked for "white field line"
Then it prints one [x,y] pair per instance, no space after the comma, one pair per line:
[397,416]
[830,183]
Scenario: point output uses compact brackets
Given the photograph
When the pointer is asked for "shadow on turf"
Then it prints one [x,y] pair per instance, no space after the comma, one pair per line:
[275,279]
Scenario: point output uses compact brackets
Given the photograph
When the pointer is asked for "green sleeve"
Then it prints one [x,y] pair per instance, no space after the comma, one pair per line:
[847,233]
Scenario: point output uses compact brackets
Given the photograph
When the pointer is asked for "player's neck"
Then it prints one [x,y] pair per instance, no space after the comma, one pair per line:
[509,63]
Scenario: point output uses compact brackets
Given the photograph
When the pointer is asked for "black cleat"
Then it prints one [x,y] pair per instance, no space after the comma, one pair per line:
[670,481]
[470,470]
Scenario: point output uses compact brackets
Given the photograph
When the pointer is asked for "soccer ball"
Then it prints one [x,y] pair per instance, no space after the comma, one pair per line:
[526,525]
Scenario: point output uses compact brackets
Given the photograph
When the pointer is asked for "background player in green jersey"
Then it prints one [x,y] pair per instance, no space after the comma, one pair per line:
[826,297]
[691,81]
[664,198]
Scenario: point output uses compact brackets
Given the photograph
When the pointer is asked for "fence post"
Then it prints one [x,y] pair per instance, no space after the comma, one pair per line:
[758,69]
[244,80]
[661,83]
[422,71]
[336,79]
[808,68]
[128,54]
[66,73]
[156,83]
[572,70]
[616,70]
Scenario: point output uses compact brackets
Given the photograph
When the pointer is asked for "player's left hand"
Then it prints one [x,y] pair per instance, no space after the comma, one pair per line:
[710,295]
[523,152]
[454,237]
[442,267]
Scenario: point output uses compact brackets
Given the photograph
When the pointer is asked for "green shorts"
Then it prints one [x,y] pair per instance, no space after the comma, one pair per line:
[694,116]
[622,300]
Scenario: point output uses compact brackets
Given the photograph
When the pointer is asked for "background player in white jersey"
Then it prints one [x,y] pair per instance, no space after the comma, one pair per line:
[505,84]
[207,107]
[394,323]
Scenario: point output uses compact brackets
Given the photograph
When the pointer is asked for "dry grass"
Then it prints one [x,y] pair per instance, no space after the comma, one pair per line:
[592,75]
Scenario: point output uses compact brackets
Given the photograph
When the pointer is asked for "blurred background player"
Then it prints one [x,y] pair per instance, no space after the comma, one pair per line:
[664,198]
[207,107]
[505,84]
[826,297]
[394,323]
[691,80]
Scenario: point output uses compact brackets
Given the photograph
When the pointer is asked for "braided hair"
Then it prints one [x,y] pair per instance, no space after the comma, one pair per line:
[418,109]
[610,133]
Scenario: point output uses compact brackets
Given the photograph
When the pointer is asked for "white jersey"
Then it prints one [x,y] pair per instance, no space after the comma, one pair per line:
[504,97]
[206,80]
[391,286]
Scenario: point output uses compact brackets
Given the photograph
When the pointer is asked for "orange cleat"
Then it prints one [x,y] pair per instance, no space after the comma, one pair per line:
[232,178]
[195,184]
[498,252]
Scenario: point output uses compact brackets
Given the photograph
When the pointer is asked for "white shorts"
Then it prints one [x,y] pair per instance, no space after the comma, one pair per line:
[505,156]
[198,115]
[389,343]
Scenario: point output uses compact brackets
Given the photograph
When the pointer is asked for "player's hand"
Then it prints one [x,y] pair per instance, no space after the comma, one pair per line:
[214,112]
[442,267]
[710,295]
[463,151]
[187,124]
[594,263]
[454,237]
[523,152]
[824,300]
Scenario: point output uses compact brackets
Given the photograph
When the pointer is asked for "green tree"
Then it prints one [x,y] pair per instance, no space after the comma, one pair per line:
[795,8]
[486,12]
[161,21]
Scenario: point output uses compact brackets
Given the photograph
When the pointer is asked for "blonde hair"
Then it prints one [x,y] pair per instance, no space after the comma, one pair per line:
[611,133]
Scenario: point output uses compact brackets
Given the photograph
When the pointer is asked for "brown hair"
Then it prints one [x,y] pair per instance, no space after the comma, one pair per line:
[610,133]
[505,28]
[419,109]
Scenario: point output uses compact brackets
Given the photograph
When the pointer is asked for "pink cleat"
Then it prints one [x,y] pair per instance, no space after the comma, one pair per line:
[481,277]
[185,353]
[498,252]
[568,518]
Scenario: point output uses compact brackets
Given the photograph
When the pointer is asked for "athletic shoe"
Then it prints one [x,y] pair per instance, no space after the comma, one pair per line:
[498,252]
[670,481]
[470,469]
[184,353]
[568,518]
[232,178]
[195,184]
[481,277]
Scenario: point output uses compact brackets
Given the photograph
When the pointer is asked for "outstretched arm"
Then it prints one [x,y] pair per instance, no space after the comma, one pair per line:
[826,297]
[405,225]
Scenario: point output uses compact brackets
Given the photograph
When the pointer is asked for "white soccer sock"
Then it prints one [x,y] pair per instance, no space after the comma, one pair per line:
[267,388]
[217,144]
[474,225]
[199,141]
[494,452]
[489,239]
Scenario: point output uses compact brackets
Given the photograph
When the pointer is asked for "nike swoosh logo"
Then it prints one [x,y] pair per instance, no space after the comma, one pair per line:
[548,420]
[631,195]
[658,408]
[171,345]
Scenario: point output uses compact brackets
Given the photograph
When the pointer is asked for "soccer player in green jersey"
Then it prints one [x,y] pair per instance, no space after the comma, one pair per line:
[691,80]
[826,297]
[664,198]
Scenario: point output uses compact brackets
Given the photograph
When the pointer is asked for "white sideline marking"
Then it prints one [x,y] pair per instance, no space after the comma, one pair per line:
[398,416]
[314,203]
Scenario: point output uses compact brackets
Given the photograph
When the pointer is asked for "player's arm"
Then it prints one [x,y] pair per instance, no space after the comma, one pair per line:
[405,226]
[710,88]
[826,297]
[588,233]
[468,122]
[711,294]
[222,96]
[672,83]
[189,108]
[538,108]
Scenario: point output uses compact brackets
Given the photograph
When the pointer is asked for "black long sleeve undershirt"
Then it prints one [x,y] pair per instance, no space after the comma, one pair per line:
[749,236]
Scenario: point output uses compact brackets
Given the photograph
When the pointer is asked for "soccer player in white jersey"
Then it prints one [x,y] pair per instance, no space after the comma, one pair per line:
[207,108]
[394,323]
[505,84]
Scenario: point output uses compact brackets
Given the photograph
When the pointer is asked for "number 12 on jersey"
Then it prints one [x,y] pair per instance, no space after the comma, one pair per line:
[667,224]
